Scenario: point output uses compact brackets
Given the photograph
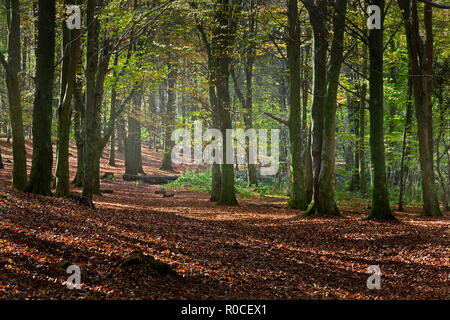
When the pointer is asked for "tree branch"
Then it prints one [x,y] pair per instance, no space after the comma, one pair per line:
[436,5]
[282,121]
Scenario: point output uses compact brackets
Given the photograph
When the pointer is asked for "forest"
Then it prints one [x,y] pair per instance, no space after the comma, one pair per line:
[224,149]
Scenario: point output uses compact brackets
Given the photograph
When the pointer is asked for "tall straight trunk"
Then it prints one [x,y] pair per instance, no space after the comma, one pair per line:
[248,116]
[353,111]
[112,111]
[91,119]
[380,199]
[297,193]
[443,128]
[120,134]
[224,34]
[326,204]
[12,69]
[41,169]
[78,129]
[405,148]
[361,140]
[307,144]
[71,50]
[421,63]
[309,179]
[133,161]
[249,62]
[112,149]
[169,119]
[216,173]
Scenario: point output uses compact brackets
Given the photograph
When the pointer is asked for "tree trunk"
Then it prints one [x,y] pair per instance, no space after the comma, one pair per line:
[169,119]
[133,162]
[92,114]
[326,204]
[297,193]
[380,199]
[71,54]
[112,111]
[319,54]
[324,110]
[405,147]
[222,48]
[12,69]
[78,128]
[41,169]
[361,141]
[421,62]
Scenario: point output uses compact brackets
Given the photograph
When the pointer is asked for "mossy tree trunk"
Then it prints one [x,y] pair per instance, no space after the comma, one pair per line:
[324,104]
[380,198]
[12,69]
[78,128]
[326,204]
[41,169]
[216,173]
[224,32]
[68,73]
[298,199]
[319,57]
[92,114]
[421,64]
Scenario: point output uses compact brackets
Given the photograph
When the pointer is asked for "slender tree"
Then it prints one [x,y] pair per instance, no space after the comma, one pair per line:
[169,118]
[297,193]
[71,52]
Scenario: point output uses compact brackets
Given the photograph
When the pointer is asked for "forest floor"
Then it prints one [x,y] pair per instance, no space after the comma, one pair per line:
[258,250]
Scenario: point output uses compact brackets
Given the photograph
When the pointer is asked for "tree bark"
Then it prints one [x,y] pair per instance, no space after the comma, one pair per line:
[317,15]
[68,74]
[298,199]
[380,199]
[41,169]
[421,62]
[326,204]
[92,114]
[12,69]
[405,148]
[224,33]
[324,104]
[169,118]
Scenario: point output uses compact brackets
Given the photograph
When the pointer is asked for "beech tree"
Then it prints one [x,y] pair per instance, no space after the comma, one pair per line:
[324,103]
[41,168]
[12,69]
[421,63]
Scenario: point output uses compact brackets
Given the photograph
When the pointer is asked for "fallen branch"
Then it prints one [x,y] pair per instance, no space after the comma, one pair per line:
[150,179]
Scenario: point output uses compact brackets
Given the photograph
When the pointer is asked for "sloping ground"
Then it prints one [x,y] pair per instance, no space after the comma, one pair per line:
[257,250]
[151,160]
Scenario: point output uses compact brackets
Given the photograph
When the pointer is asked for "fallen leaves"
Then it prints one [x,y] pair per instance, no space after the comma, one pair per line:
[256,251]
